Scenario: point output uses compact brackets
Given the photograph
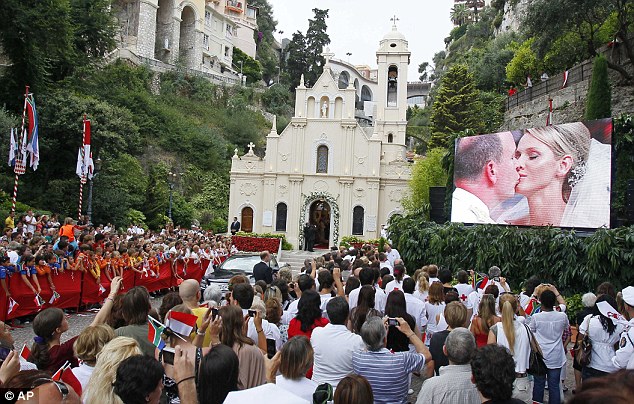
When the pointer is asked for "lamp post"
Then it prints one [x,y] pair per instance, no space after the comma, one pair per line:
[171,180]
[94,175]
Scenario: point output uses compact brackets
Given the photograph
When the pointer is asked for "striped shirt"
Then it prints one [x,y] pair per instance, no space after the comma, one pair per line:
[387,372]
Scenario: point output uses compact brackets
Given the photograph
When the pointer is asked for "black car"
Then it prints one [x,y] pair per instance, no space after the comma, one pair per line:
[239,264]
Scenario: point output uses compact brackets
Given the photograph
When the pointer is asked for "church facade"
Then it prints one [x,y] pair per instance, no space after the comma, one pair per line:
[325,168]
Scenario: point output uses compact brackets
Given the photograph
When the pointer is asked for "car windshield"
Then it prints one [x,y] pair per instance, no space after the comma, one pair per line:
[244,264]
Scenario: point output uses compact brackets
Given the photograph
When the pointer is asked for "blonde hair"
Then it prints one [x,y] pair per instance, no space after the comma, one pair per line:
[486,310]
[571,139]
[508,306]
[100,390]
[91,341]
[422,279]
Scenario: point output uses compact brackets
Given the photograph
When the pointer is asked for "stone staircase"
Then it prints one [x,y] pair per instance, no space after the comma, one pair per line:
[296,258]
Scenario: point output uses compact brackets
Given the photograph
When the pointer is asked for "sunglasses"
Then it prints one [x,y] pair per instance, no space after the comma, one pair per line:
[61,387]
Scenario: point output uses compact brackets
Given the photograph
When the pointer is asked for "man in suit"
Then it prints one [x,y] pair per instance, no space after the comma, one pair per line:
[235,226]
[262,271]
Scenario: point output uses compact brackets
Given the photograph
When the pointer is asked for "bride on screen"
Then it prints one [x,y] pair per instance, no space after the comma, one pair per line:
[565,176]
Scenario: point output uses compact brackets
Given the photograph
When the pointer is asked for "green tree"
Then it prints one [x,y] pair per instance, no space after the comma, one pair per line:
[266,53]
[457,106]
[249,66]
[297,62]
[547,20]
[316,40]
[94,28]
[460,14]
[599,95]
[523,64]
[37,37]
[427,172]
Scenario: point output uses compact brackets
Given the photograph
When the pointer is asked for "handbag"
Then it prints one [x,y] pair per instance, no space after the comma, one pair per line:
[583,353]
[536,364]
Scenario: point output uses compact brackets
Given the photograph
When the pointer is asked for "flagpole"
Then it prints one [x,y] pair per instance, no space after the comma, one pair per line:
[18,158]
[82,180]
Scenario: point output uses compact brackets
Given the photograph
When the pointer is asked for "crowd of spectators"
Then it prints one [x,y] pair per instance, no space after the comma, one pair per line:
[350,327]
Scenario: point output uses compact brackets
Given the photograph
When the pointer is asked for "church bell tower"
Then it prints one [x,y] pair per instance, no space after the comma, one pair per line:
[393,59]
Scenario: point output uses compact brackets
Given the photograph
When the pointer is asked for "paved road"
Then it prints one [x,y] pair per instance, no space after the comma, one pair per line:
[78,322]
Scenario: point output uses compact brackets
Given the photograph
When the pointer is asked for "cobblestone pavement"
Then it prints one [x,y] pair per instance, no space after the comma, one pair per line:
[77,322]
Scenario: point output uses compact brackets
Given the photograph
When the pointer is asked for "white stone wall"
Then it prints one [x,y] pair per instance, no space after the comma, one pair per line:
[147,28]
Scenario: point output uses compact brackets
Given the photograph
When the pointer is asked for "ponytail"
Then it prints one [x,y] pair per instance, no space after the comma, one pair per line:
[508,317]
[44,326]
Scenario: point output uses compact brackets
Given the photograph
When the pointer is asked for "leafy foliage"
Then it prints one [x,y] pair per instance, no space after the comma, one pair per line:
[525,63]
[427,172]
[304,52]
[599,95]
[266,54]
[457,106]
[572,262]
[250,67]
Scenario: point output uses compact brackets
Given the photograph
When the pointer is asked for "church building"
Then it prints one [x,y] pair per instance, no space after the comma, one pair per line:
[325,167]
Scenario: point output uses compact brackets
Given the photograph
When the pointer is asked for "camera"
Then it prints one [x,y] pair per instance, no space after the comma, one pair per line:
[251,313]
[496,278]
[392,322]
[168,356]
[214,313]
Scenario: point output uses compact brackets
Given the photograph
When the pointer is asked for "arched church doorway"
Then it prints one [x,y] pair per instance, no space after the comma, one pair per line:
[247,219]
[187,44]
[320,217]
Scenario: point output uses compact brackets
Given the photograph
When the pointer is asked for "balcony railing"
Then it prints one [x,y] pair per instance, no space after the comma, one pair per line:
[236,6]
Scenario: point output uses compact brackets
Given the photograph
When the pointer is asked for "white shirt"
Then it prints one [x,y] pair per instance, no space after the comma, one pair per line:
[333,346]
[291,312]
[433,311]
[474,301]
[83,373]
[324,301]
[392,256]
[380,298]
[387,265]
[422,296]
[464,289]
[416,309]
[266,393]
[30,224]
[602,343]
[394,284]
[468,208]
[303,387]
[549,327]
[270,331]
[521,348]
[624,357]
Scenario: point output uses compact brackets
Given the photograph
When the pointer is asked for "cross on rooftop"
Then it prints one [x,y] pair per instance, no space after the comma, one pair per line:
[394,20]
[327,55]
[251,146]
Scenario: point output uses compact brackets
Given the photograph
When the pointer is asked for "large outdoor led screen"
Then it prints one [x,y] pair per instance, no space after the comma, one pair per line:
[555,175]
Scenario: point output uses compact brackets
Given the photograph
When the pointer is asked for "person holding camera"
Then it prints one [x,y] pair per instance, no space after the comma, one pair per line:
[387,372]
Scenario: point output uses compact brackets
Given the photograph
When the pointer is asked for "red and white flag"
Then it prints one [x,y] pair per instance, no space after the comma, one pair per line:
[565,79]
[12,305]
[25,353]
[181,323]
[84,156]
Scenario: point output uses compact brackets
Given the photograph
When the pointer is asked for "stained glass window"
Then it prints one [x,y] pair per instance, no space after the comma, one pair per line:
[322,159]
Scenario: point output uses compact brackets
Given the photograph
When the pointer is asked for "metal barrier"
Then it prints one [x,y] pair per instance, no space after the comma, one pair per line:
[576,74]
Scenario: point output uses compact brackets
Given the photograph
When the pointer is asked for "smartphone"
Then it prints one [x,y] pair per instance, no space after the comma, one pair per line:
[497,278]
[251,313]
[4,352]
[392,322]
[214,313]
[168,356]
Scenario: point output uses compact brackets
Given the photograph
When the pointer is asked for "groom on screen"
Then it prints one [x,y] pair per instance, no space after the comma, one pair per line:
[485,175]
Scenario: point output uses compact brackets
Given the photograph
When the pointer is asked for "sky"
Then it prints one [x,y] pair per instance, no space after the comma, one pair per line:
[357,26]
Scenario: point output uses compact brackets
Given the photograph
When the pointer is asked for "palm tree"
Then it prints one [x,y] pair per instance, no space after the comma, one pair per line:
[459,14]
